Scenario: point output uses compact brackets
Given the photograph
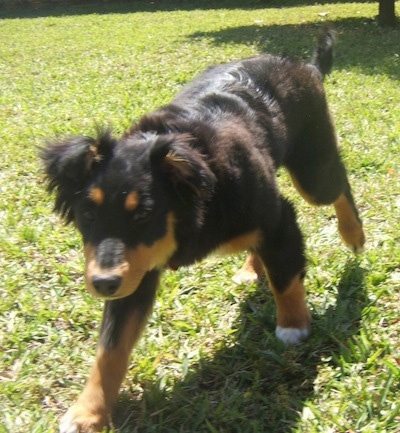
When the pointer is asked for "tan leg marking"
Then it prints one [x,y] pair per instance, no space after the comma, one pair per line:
[92,410]
[350,227]
[292,313]
[251,271]
[292,310]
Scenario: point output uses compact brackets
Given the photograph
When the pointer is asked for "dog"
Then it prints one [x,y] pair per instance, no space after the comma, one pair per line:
[195,177]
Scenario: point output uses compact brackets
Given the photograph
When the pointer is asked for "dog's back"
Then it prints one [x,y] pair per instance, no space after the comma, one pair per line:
[273,96]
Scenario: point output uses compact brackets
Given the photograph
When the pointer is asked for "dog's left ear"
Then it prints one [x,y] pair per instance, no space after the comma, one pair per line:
[69,163]
[176,156]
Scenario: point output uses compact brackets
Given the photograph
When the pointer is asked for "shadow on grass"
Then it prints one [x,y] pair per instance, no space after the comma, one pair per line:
[361,43]
[54,8]
[257,384]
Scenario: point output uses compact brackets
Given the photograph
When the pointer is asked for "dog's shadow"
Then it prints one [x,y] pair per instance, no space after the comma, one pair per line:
[254,384]
[294,40]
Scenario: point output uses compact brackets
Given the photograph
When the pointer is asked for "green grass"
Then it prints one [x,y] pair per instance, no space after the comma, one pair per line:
[208,361]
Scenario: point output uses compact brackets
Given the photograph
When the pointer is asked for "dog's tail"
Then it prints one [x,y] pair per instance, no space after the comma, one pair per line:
[322,58]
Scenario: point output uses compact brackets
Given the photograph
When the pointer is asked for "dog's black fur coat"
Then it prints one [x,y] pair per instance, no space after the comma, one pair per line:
[206,162]
[231,129]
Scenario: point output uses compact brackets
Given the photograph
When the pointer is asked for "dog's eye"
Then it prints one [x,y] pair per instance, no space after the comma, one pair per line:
[141,215]
[89,216]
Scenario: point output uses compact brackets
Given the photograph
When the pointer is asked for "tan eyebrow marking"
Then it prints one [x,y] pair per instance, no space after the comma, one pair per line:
[96,194]
[132,201]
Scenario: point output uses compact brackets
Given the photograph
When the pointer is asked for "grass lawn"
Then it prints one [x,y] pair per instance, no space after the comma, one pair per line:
[208,361]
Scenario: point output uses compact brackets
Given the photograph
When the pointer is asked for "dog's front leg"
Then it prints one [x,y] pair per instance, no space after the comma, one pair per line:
[283,256]
[123,321]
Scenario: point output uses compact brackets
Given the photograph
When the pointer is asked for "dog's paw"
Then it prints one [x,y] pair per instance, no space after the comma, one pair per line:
[244,276]
[353,235]
[292,336]
[354,242]
[79,419]
[356,249]
[69,426]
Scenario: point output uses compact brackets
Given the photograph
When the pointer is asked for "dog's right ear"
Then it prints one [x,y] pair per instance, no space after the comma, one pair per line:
[183,165]
[68,164]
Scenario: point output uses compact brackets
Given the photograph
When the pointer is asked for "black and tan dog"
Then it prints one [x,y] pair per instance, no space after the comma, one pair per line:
[196,177]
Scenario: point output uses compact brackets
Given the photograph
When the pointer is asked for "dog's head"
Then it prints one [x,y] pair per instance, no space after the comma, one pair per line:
[124,197]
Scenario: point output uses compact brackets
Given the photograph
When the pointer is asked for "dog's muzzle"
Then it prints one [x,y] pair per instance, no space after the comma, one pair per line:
[106,276]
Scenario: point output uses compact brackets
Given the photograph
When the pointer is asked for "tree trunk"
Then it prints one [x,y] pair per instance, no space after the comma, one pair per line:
[387,15]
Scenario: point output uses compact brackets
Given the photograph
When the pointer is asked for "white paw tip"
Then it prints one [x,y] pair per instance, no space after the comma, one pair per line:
[357,250]
[68,426]
[291,335]
[245,277]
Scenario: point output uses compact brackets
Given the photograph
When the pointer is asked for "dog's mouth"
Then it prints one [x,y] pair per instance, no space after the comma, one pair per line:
[120,273]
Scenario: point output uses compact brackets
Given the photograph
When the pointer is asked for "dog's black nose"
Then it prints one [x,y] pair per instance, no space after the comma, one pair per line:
[106,285]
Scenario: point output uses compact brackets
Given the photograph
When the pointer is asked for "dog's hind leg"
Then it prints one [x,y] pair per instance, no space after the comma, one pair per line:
[123,322]
[319,175]
[251,271]
[349,222]
[282,254]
